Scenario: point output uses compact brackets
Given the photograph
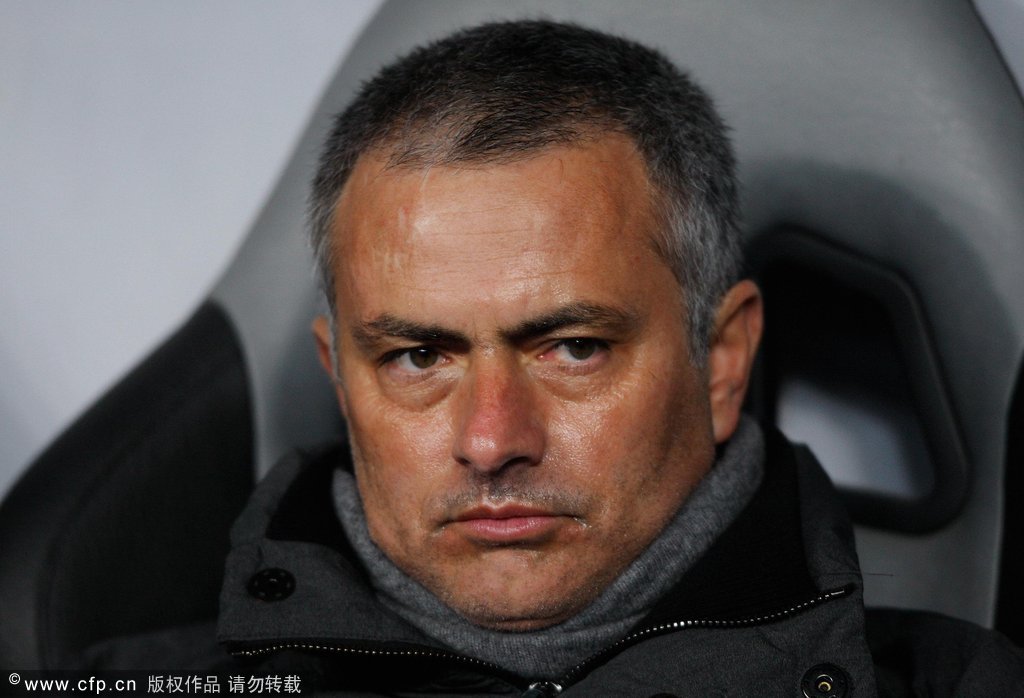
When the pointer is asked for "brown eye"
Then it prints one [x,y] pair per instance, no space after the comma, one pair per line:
[422,357]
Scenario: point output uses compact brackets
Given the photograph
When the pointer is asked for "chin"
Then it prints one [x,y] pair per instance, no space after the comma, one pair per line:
[514,619]
[529,608]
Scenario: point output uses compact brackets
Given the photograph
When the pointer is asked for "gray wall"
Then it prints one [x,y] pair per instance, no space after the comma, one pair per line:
[139,141]
[1005,19]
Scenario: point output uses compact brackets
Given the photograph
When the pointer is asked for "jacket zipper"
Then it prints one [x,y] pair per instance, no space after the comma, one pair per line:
[573,674]
[547,689]
[430,654]
[506,675]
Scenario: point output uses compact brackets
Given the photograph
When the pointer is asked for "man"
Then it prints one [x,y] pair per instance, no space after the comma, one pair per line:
[527,238]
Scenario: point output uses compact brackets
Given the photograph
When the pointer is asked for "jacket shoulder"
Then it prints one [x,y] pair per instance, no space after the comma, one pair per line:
[918,653]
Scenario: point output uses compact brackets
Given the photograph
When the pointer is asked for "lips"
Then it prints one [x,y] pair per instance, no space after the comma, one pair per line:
[510,524]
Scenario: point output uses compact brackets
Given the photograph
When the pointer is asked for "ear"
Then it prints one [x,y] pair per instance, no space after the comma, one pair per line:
[739,321]
[324,341]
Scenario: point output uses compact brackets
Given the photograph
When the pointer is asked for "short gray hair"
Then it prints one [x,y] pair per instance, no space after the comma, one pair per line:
[502,91]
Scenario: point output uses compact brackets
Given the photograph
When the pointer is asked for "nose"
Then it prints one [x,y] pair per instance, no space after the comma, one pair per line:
[497,423]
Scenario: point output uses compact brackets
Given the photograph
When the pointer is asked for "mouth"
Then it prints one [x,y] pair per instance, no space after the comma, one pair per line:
[510,524]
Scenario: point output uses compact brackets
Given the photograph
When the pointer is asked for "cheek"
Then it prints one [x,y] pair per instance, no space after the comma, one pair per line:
[599,443]
[399,459]
[385,432]
[644,435]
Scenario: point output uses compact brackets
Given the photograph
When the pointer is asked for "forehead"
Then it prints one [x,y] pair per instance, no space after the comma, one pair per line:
[552,224]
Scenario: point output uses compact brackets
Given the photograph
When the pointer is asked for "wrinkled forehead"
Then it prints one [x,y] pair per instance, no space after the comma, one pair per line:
[387,201]
[565,218]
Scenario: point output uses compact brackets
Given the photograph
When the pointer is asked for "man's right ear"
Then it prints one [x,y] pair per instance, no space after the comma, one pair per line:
[324,343]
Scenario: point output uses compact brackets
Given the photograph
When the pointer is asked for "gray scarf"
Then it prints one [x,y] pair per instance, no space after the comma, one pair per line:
[552,651]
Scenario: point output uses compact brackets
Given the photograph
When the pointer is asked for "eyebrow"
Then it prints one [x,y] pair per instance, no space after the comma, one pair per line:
[603,317]
[368,335]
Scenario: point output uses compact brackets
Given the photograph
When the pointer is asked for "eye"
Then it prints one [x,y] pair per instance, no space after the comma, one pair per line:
[579,350]
[422,357]
[413,360]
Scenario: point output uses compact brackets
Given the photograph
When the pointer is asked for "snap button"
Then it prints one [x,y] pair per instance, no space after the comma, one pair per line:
[271,584]
[824,681]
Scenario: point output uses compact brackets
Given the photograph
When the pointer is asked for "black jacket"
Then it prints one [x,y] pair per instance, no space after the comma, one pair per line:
[773,609]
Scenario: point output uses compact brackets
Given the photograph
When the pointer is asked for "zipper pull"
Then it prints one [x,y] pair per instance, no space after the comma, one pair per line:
[542,689]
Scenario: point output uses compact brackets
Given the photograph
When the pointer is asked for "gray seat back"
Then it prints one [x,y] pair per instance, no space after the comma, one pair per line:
[887,129]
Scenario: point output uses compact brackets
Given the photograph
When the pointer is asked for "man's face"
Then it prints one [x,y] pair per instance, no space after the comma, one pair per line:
[514,370]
